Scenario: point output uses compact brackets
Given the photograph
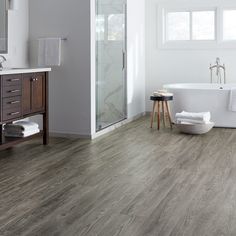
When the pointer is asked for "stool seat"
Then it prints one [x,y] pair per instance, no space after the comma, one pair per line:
[161,98]
[158,102]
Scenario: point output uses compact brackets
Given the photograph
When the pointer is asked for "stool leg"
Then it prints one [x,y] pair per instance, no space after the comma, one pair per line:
[163,113]
[158,116]
[153,113]
[168,112]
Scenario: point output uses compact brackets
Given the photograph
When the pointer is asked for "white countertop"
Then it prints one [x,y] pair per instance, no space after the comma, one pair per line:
[8,71]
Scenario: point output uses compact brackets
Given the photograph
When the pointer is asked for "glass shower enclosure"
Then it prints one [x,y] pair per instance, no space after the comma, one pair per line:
[110,62]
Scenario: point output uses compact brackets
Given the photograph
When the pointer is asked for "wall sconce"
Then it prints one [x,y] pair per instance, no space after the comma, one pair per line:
[13,5]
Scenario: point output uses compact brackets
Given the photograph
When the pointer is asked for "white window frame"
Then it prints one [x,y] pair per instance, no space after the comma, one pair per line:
[218,43]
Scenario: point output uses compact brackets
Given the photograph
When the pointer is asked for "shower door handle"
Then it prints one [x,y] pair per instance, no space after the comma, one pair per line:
[123,60]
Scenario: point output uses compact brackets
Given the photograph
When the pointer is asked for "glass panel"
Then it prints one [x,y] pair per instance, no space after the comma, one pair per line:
[110,79]
[178,26]
[229,25]
[203,25]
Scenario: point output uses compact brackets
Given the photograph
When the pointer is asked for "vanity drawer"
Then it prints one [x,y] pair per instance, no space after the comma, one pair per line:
[11,91]
[10,114]
[12,102]
[11,80]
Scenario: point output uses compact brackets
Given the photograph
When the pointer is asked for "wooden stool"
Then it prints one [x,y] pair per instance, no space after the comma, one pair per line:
[158,102]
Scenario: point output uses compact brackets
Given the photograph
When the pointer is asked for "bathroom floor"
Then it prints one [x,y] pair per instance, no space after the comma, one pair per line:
[134,181]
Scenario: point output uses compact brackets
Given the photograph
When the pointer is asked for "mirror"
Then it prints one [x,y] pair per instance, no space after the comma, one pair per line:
[3,26]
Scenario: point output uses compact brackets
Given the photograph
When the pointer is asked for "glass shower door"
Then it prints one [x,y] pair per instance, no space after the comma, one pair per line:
[110,62]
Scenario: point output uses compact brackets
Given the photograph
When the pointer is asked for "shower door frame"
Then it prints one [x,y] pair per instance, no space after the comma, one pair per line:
[124,69]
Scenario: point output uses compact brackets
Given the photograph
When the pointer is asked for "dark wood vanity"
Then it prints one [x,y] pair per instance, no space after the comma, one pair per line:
[23,95]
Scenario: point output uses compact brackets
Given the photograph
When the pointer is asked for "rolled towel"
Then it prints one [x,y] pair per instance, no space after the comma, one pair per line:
[189,121]
[21,126]
[23,134]
[200,116]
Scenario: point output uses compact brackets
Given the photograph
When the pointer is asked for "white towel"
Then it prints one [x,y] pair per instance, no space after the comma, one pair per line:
[20,126]
[200,116]
[232,99]
[161,94]
[189,121]
[23,134]
[49,52]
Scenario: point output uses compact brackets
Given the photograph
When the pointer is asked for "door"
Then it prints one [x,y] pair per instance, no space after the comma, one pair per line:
[33,97]
[38,89]
[110,62]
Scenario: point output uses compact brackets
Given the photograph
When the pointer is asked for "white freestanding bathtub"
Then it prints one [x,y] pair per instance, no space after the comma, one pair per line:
[204,97]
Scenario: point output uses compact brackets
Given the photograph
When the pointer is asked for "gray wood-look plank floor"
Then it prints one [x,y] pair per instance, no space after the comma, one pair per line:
[132,182]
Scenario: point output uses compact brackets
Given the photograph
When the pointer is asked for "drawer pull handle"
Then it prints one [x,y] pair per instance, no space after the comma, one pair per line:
[14,102]
[14,91]
[14,113]
[13,80]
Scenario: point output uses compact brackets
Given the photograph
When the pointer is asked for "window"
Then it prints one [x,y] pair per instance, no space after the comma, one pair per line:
[116,24]
[229,25]
[203,25]
[177,26]
[190,25]
[197,27]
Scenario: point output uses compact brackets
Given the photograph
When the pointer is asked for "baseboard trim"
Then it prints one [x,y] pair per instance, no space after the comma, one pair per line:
[118,125]
[98,134]
[68,135]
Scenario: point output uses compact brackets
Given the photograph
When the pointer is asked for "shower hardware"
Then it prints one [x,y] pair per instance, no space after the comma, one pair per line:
[218,67]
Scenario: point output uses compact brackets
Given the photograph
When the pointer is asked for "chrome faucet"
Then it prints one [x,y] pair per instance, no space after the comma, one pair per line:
[218,68]
[2,59]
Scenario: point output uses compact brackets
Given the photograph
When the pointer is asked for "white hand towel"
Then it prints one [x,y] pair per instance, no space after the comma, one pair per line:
[232,99]
[49,52]
[200,116]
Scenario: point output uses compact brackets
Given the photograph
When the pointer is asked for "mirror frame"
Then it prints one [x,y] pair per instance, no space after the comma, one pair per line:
[6,25]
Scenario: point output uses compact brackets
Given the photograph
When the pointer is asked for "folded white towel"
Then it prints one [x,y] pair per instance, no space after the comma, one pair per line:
[22,134]
[189,121]
[232,99]
[200,116]
[159,94]
[22,126]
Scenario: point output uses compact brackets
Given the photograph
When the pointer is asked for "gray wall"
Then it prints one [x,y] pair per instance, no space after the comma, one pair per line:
[70,83]
[72,86]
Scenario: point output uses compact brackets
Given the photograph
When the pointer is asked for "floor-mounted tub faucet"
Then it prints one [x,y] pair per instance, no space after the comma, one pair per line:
[2,59]
[218,68]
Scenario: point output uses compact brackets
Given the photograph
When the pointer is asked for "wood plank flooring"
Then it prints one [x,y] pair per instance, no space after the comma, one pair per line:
[131,182]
